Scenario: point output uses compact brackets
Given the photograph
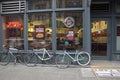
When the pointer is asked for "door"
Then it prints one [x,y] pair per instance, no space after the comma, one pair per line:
[100,38]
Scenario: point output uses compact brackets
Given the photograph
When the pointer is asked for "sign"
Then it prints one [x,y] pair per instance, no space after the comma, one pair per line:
[40,31]
[70,35]
[69,22]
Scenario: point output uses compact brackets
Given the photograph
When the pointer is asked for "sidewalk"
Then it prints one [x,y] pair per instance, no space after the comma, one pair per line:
[51,72]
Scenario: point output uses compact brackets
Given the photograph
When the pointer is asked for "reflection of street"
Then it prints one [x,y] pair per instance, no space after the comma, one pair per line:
[14,43]
[40,44]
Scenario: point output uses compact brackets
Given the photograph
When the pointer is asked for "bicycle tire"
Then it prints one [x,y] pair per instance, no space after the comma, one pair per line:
[52,58]
[30,60]
[5,59]
[20,58]
[62,62]
[83,58]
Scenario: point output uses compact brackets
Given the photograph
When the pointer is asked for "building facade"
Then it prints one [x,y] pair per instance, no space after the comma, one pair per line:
[92,26]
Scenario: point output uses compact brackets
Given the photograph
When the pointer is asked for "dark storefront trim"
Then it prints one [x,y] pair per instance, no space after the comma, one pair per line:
[87,16]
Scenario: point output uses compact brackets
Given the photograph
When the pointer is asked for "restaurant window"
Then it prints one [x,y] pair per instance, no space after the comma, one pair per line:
[13,30]
[70,29]
[118,35]
[69,3]
[39,4]
[39,30]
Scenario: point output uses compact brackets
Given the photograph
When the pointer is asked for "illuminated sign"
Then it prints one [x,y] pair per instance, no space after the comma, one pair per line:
[69,22]
[40,31]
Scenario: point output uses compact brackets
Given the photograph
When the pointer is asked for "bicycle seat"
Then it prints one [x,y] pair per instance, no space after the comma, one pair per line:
[38,51]
[14,49]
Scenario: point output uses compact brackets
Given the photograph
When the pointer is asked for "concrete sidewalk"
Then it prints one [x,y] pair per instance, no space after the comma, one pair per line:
[51,72]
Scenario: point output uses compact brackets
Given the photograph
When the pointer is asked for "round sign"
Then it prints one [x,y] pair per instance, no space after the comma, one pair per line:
[69,22]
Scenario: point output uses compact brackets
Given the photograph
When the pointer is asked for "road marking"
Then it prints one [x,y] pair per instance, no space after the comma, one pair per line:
[100,72]
[108,67]
[87,72]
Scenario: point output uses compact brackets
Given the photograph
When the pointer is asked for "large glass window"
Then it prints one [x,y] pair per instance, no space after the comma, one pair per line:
[118,34]
[70,28]
[69,3]
[39,30]
[13,31]
[39,4]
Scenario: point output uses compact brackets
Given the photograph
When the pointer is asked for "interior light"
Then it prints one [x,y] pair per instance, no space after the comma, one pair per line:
[14,25]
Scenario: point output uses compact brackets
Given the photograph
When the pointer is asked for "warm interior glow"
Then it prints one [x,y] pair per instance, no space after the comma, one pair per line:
[14,25]
[30,29]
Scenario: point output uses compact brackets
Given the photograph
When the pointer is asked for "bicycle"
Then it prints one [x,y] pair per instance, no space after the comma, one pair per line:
[42,55]
[12,55]
[81,57]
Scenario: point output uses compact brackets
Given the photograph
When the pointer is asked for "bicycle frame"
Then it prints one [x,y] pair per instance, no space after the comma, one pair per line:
[11,53]
[74,59]
[43,52]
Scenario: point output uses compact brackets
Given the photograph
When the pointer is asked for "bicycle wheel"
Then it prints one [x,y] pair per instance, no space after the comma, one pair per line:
[83,58]
[20,58]
[52,59]
[62,61]
[5,58]
[30,60]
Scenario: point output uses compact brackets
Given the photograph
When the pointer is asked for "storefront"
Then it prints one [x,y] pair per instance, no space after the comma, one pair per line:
[51,22]
[105,29]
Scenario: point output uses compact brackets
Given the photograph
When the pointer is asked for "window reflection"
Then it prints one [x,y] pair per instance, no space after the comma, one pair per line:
[69,3]
[118,34]
[117,4]
[39,4]
[72,34]
[99,37]
[13,31]
[40,30]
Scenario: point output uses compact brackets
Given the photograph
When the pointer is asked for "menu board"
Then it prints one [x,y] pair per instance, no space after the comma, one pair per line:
[39,31]
[70,35]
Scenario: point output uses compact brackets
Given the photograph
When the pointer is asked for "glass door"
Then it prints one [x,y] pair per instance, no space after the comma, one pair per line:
[99,37]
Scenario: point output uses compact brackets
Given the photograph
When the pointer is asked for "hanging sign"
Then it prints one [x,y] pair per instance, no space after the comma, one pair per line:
[40,31]
[70,35]
[69,22]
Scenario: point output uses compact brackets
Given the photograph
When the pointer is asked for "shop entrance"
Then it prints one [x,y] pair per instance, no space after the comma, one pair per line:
[99,38]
